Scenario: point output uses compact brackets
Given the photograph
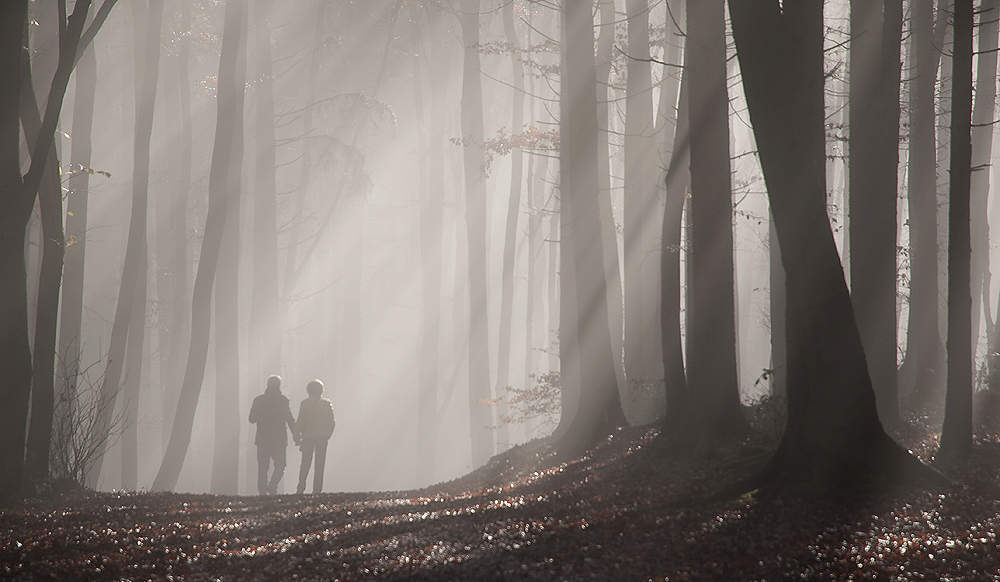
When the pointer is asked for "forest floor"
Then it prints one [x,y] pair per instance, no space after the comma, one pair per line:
[623,511]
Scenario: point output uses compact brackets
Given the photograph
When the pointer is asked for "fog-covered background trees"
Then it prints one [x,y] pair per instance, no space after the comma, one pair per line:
[481,222]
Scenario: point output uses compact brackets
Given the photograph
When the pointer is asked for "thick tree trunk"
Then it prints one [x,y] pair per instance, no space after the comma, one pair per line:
[480,414]
[600,410]
[956,432]
[230,113]
[874,157]
[834,440]
[711,344]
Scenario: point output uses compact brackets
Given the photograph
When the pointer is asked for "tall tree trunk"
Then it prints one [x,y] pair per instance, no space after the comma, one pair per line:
[920,374]
[132,383]
[582,266]
[226,452]
[510,234]
[46,318]
[642,349]
[230,114]
[431,226]
[874,156]
[982,152]
[265,332]
[711,344]
[676,182]
[20,192]
[68,366]
[135,250]
[834,439]
[956,432]
[609,229]
[480,415]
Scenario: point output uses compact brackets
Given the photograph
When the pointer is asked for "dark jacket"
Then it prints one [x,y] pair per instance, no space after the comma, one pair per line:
[316,420]
[271,413]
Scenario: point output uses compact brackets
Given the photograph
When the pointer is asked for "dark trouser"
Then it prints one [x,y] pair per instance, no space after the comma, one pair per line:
[309,448]
[265,453]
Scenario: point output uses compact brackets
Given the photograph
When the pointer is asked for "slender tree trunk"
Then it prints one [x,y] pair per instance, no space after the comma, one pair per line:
[68,365]
[510,234]
[874,157]
[226,453]
[676,182]
[20,191]
[711,345]
[431,226]
[230,113]
[642,350]
[982,152]
[132,382]
[920,374]
[609,228]
[480,414]
[956,432]
[180,306]
[265,332]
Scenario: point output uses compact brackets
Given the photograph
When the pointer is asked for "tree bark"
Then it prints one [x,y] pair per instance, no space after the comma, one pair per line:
[136,249]
[834,440]
[921,373]
[874,157]
[20,192]
[642,350]
[711,344]
[599,410]
[68,365]
[956,432]
[480,414]
[226,452]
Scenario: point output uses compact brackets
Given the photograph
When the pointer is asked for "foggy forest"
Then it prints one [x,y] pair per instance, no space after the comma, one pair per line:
[554,245]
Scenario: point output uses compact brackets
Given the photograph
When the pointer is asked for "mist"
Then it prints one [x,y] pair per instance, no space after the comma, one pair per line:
[355,199]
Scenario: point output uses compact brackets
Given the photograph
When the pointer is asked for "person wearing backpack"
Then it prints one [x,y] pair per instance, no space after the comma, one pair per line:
[313,429]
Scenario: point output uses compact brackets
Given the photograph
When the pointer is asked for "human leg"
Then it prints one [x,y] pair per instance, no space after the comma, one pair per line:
[307,454]
[278,454]
[263,462]
[320,466]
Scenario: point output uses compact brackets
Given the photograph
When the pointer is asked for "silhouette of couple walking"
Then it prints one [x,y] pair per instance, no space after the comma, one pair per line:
[311,432]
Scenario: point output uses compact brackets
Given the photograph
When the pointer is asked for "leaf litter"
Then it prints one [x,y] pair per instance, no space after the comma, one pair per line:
[623,511]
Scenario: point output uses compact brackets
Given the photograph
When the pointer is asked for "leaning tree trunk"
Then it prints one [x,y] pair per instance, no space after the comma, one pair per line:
[956,432]
[230,113]
[834,440]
